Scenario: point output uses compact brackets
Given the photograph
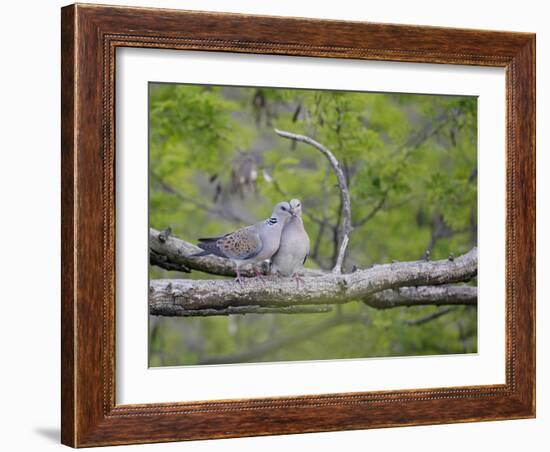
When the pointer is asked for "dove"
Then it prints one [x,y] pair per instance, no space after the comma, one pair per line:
[294,247]
[251,244]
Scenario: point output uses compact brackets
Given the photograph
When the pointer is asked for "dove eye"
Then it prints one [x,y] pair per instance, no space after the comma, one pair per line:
[284,208]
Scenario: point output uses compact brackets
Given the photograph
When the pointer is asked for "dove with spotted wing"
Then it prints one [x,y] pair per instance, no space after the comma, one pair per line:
[294,247]
[251,244]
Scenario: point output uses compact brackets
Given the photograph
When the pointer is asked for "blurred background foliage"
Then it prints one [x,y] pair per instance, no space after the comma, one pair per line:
[411,165]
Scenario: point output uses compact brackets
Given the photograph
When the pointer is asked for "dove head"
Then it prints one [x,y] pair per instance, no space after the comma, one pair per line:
[282,212]
[296,206]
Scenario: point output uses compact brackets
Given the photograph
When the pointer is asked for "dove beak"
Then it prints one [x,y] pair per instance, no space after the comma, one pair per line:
[291,211]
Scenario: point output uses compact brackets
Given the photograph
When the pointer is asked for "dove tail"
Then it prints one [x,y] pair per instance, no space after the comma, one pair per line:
[201,253]
[209,246]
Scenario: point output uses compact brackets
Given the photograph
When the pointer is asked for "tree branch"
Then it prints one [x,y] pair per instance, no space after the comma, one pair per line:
[176,310]
[386,299]
[269,346]
[422,296]
[162,261]
[430,317]
[373,211]
[410,146]
[179,252]
[172,253]
[344,192]
[209,209]
[331,288]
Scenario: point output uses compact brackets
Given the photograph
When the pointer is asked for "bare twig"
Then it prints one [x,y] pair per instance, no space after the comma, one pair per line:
[440,230]
[272,345]
[373,211]
[317,243]
[208,208]
[428,318]
[409,147]
[344,192]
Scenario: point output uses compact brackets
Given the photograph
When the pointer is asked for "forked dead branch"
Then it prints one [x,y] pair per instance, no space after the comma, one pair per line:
[344,192]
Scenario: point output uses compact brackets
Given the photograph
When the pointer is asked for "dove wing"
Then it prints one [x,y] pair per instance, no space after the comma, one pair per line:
[242,244]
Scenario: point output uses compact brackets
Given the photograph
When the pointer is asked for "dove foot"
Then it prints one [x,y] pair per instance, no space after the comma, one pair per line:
[238,278]
[298,278]
[259,275]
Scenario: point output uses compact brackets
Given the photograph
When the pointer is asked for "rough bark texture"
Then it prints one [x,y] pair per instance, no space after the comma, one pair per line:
[424,295]
[330,288]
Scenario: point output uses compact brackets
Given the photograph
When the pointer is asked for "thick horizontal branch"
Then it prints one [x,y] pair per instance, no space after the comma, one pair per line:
[172,253]
[386,299]
[176,310]
[423,295]
[331,288]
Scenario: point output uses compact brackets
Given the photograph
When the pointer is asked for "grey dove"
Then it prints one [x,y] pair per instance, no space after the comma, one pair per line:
[251,244]
[294,247]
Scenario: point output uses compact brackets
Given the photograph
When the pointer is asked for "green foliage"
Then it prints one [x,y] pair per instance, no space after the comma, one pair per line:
[411,164]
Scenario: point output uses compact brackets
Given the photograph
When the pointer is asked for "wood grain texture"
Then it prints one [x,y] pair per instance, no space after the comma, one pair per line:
[67,226]
[90,36]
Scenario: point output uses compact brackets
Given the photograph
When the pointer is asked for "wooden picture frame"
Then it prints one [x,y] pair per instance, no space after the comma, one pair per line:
[90,36]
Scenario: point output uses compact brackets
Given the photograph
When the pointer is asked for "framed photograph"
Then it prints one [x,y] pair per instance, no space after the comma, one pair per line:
[281,225]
